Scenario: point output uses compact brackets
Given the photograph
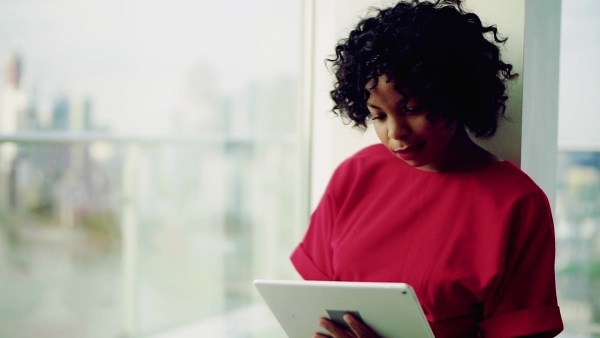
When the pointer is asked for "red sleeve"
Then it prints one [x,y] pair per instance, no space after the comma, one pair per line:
[524,299]
[313,257]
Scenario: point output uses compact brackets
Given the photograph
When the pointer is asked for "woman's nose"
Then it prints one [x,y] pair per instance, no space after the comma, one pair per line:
[397,128]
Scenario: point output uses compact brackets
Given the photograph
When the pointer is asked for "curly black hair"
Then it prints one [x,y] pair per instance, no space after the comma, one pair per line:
[437,50]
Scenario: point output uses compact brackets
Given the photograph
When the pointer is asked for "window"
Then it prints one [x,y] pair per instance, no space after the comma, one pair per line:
[150,164]
[578,189]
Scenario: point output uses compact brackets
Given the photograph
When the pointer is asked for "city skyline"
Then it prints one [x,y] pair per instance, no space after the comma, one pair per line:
[135,60]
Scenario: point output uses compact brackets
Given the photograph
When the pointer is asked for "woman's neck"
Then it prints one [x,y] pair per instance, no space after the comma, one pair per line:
[463,154]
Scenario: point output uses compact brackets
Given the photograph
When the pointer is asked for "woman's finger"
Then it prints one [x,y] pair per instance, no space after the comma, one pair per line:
[320,335]
[358,328]
[336,331]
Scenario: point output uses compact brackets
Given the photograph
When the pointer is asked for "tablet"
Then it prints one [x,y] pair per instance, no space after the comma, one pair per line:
[390,309]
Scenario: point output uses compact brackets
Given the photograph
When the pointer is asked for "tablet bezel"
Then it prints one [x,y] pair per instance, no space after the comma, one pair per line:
[390,309]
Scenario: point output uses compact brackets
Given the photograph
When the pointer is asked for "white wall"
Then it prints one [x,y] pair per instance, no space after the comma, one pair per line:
[541,92]
[334,141]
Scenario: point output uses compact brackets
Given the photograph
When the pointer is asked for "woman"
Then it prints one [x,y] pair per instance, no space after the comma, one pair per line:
[471,233]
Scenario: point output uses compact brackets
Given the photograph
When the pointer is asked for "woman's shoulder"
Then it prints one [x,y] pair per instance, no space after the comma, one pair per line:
[508,171]
[507,179]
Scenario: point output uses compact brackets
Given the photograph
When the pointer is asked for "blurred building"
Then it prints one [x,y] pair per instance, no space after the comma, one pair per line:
[14,116]
[56,181]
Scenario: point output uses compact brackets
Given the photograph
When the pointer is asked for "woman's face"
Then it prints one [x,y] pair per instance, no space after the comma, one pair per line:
[407,132]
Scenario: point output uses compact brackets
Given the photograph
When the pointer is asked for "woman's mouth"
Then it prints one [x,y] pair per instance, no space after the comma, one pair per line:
[409,152]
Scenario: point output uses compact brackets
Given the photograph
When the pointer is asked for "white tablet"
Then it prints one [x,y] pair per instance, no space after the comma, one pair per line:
[390,309]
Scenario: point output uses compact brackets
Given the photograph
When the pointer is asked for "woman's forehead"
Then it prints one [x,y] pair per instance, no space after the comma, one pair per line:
[382,80]
[384,85]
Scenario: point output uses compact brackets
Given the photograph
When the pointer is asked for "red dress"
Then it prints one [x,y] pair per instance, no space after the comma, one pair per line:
[477,247]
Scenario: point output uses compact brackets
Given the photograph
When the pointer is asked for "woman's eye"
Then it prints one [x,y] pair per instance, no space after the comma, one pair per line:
[377,116]
[412,111]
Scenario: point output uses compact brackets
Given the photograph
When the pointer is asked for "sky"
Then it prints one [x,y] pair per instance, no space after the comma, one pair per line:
[135,58]
[579,88]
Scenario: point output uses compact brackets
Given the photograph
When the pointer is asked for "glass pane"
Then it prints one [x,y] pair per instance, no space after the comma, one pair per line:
[578,231]
[578,193]
[60,251]
[209,229]
[149,165]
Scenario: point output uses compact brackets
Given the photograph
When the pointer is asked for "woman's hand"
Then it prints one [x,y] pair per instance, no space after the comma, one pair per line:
[359,329]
